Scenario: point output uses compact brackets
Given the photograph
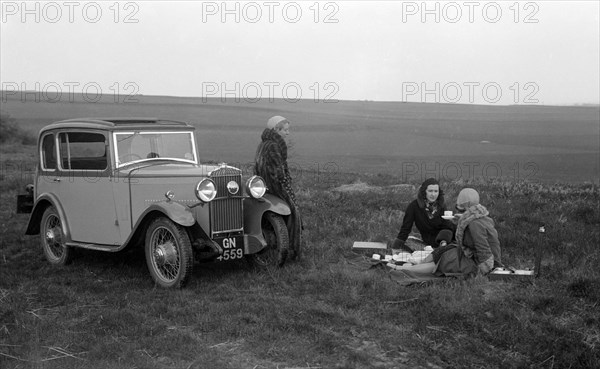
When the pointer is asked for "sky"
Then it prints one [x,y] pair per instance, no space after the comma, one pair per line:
[470,52]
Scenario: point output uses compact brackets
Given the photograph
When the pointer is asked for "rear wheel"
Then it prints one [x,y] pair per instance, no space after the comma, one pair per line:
[168,253]
[275,233]
[52,238]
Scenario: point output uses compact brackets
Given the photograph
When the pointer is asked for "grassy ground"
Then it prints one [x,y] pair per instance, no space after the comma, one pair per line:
[103,311]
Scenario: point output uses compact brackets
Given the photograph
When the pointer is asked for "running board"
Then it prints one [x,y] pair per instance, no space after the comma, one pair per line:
[92,246]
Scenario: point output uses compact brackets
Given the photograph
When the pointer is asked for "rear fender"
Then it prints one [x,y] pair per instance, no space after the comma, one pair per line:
[41,204]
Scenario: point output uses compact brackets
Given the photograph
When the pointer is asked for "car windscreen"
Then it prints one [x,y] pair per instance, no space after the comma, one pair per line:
[141,146]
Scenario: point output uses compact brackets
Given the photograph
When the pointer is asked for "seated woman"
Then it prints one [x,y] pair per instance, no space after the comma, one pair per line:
[476,233]
[426,213]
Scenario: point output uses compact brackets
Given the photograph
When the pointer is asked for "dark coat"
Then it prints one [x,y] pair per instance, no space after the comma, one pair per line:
[480,242]
[271,164]
[428,228]
[478,235]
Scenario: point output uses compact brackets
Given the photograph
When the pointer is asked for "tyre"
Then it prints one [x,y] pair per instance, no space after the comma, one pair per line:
[168,253]
[52,238]
[275,233]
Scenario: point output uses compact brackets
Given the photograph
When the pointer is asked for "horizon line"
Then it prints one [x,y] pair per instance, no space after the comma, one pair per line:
[6,98]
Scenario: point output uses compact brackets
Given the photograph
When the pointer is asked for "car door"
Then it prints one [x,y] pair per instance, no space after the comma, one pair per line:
[48,179]
[86,190]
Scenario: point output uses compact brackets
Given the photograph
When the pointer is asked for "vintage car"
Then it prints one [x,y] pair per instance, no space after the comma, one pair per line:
[108,184]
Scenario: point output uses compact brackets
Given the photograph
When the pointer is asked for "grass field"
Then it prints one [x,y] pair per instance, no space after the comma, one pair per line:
[103,311]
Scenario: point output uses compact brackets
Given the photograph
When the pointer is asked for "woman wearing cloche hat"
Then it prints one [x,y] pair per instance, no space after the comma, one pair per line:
[271,164]
[475,232]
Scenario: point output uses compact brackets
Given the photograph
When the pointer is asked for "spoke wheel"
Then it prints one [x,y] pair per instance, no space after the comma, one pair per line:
[52,238]
[168,253]
[276,234]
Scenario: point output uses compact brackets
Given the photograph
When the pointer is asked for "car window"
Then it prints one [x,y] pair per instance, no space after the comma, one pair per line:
[48,152]
[82,150]
[142,146]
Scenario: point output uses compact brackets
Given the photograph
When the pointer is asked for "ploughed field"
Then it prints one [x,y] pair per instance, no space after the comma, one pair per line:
[409,140]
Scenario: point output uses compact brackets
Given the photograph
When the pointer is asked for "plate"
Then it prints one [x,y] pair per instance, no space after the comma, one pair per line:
[448,217]
[369,245]
[524,272]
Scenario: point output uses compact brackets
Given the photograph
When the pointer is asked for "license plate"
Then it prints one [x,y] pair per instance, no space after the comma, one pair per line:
[233,248]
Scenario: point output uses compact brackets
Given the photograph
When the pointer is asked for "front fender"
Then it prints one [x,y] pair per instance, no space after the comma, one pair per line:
[178,213]
[41,203]
[253,213]
[268,202]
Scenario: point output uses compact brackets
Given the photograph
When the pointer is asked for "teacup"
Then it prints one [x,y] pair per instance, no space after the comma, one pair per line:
[448,213]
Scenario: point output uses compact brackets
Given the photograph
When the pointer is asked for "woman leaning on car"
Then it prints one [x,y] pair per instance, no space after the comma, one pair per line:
[271,164]
[426,213]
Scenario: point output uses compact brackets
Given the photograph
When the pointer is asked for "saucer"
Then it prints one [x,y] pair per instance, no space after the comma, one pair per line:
[447,217]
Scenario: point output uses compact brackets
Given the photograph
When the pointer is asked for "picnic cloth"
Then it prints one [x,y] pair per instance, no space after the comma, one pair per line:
[363,263]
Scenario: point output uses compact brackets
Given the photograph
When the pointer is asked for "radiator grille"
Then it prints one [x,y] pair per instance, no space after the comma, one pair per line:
[226,213]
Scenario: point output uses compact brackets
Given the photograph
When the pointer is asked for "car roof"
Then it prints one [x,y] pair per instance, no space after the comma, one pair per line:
[130,123]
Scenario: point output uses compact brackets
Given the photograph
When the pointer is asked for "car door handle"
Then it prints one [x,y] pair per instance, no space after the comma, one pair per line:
[56,179]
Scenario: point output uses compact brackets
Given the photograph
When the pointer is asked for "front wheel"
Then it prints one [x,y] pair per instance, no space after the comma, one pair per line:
[168,253]
[52,238]
[275,233]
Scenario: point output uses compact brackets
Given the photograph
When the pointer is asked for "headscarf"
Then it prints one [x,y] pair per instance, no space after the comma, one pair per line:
[274,121]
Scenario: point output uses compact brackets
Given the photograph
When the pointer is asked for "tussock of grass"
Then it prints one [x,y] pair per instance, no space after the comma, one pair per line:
[11,131]
[319,312]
